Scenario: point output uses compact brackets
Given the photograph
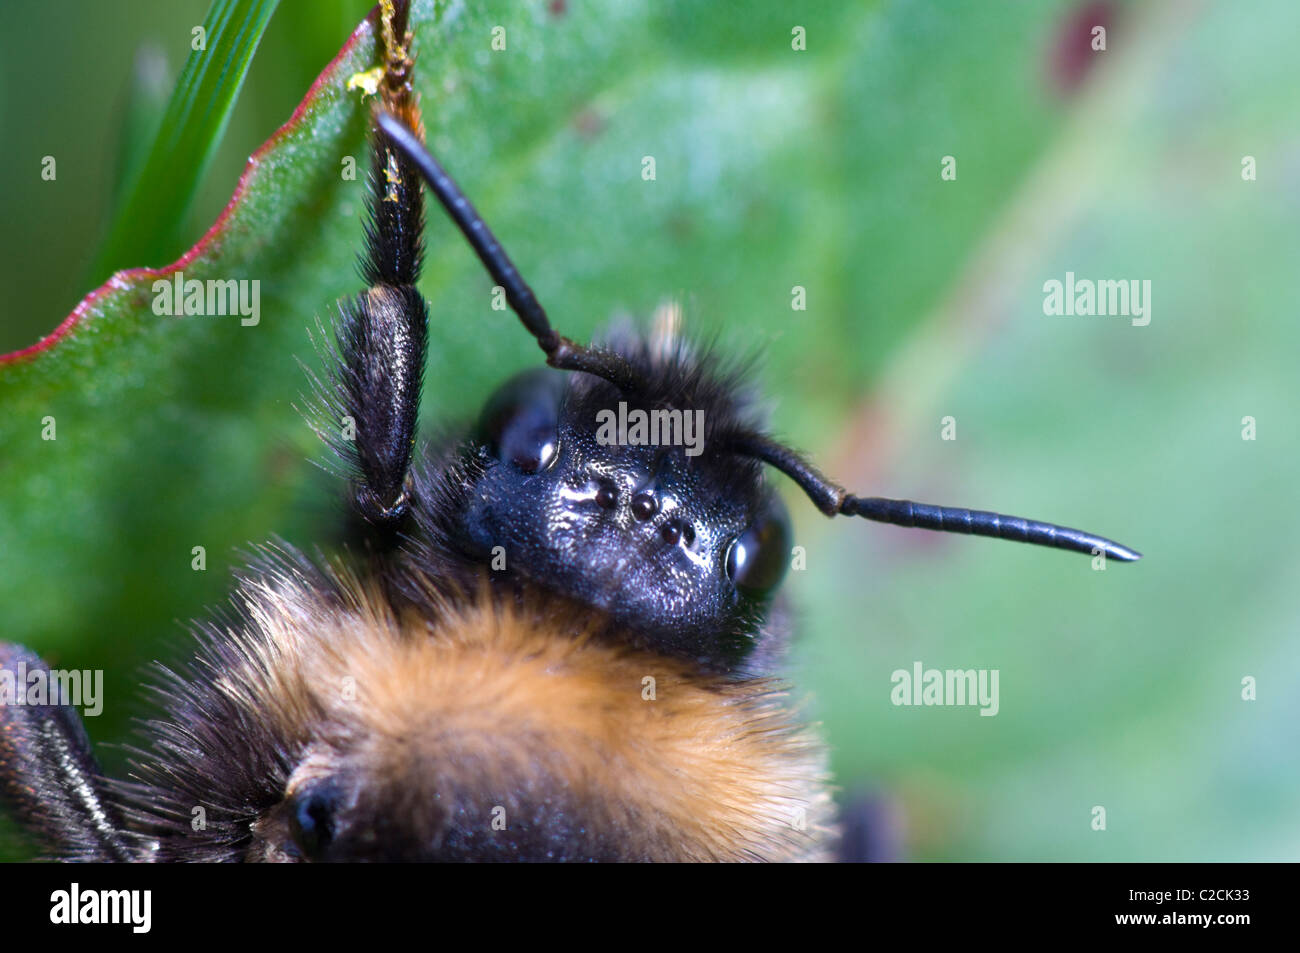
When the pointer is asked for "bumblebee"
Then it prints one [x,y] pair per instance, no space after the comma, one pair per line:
[544,644]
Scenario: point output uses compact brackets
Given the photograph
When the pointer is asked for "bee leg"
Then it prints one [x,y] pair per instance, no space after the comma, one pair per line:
[382,335]
[49,779]
[870,830]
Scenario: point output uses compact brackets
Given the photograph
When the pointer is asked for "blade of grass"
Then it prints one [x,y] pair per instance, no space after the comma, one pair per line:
[143,230]
[146,105]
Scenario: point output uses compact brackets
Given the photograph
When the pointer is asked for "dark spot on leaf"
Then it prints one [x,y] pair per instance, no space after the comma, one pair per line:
[1072,56]
[679,226]
[589,123]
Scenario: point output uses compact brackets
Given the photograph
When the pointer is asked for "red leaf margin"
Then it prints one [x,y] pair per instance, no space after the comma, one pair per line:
[121,280]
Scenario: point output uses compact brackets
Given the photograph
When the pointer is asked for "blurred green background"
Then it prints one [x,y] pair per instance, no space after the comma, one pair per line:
[775,168]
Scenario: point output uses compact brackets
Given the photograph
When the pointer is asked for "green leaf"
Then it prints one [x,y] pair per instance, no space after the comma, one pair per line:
[146,222]
[1122,688]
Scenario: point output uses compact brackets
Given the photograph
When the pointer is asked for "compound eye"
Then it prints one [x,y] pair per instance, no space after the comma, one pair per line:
[520,422]
[757,559]
[313,819]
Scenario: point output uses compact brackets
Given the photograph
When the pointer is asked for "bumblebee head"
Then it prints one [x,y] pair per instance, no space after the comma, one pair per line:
[628,502]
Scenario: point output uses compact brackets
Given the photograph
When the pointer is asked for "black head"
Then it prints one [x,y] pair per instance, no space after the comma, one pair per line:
[628,501]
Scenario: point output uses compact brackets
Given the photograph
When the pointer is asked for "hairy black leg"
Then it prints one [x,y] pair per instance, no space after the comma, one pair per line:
[381,344]
[49,778]
[382,334]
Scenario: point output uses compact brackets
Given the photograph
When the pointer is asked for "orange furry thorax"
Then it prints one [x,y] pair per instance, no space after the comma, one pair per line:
[485,709]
